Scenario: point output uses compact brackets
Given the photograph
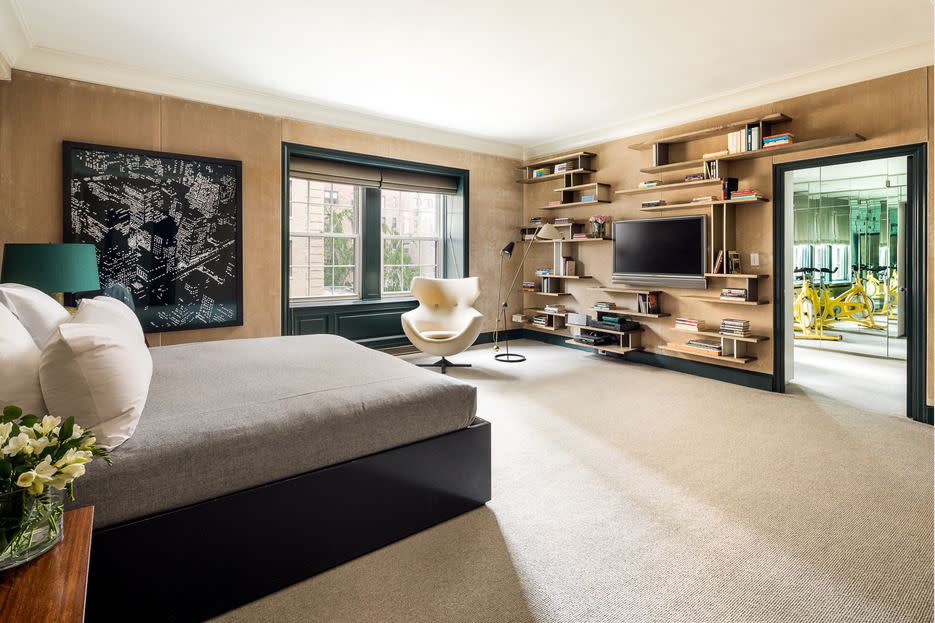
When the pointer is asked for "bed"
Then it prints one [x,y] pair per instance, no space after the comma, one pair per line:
[260,462]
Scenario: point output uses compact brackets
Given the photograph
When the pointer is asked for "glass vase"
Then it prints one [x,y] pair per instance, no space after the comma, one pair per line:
[597,230]
[30,525]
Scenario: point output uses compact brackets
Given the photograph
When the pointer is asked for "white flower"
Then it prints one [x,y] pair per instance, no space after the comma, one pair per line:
[36,487]
[26,479]
[17,444]
[45,470]
[75,470]
[5,430]
[38,445]
[77,432]
[74,456]
[47,425]
[90,441]
[59,481]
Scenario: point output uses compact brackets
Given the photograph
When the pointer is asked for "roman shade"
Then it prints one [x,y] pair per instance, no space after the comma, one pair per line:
[337,172]
[334,171]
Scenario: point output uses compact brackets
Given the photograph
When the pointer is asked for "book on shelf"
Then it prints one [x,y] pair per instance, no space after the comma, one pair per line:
[783,136]
[649,184]
[605,305]
[719,262]
[537,220]
[561,220]
[647,303]
[711,169]
[554,203]
[655,203]
[520,318]
[555,308]
[734,294]
[732,327]
[587,197]
[704,346]
[541,172]
[543,272]
[580,235]
[745,193]
[694,177]
[561,167]
[690,324]
[704,199]
[566,267]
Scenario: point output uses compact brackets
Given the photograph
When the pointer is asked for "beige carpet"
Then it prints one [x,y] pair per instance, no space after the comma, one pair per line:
[628,493]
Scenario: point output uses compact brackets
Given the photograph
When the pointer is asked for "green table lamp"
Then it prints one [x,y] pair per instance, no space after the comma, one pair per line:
[55,268]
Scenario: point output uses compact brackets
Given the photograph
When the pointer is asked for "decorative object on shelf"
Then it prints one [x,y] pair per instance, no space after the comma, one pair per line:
[598,223]
[733,262]
[166,226]
[56,269]
[544,232]
[41,458]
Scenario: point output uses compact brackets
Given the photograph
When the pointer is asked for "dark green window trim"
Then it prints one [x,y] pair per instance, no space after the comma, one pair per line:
[454,262]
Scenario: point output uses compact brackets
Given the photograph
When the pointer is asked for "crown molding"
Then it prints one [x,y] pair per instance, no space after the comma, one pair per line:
[41,60]
[854,70]
[14,38]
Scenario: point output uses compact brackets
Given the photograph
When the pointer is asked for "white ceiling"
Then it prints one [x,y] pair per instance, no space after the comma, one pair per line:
[500,75]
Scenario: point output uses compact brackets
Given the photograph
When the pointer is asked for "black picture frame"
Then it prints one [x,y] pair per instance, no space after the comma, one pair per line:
[230,311]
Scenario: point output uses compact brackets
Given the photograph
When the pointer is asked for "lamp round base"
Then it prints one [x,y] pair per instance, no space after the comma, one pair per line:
[510,357]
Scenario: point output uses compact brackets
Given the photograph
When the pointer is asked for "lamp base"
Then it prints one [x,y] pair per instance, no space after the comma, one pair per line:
[510,357]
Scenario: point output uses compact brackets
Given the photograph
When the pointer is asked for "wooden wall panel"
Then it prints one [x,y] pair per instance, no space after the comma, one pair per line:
[38,112]
[894,110]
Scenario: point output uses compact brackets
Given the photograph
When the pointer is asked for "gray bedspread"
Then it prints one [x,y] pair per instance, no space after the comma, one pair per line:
[229,415]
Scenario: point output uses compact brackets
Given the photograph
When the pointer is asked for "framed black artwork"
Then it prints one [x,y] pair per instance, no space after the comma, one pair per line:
[167,227]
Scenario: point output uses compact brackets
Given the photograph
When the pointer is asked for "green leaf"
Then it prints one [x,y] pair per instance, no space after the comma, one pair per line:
[6,469]
[28,420]
[11,412]
[67,428]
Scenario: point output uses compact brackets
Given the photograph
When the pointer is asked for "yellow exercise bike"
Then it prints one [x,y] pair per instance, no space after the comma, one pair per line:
[883,292]
[815,310]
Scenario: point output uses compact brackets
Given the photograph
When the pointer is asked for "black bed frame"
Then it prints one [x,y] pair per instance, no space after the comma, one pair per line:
[199,561]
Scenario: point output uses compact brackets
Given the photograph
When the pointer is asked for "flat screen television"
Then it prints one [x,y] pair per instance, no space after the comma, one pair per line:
[666,252]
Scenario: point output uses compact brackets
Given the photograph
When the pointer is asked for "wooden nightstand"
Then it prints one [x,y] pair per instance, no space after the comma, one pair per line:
[52,588]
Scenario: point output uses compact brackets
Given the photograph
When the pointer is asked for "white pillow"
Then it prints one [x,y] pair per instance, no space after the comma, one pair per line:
[37,311]
[97,368]
[19,366]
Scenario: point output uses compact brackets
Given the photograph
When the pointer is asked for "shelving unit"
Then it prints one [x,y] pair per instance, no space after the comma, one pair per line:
[577,163]
[713,181]
[712,131]
[626,341]
[702,204]
[573,196]
[714,299]
[753,339]
[687,350]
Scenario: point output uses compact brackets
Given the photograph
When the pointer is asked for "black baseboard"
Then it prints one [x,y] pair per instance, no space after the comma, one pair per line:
[928,414]
[756,380]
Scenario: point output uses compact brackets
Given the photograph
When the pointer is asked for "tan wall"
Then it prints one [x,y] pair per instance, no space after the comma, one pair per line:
[38,112]
[895,110]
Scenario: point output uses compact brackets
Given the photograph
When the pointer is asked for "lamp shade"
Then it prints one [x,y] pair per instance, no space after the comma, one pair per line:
[549,232]
[51,267]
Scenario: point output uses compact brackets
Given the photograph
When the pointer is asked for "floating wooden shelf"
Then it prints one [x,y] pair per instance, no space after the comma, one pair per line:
[566,276]
[550,330]
[553,176]
[702,204]
[735,276]
[817,143]
[753,339]
[676,186]
[546,293]
[630,312]
[687,350]
[620,350]
[545,313]
[575,240]
[575,204]
[602,330]
[712,131]
[623,290]
[580,187]
[557,160]
[713,299]
[567,224]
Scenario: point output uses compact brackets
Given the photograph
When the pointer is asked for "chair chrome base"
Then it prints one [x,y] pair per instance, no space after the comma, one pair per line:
[443,364]
[510,357]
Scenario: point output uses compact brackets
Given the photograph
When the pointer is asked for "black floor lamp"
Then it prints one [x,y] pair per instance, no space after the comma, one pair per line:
[545,232]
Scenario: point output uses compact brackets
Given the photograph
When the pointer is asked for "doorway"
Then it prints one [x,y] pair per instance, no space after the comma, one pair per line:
[850,244]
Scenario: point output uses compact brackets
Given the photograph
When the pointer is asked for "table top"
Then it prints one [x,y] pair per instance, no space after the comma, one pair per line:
[51,588]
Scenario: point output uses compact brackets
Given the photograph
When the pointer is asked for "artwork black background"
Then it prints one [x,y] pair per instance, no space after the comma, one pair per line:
[166,226]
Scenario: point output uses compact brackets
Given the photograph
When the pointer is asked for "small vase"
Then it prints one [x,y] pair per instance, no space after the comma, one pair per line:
[30,525]
[597,230]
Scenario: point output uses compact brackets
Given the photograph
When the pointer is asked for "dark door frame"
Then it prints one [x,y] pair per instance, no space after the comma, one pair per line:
[917,263]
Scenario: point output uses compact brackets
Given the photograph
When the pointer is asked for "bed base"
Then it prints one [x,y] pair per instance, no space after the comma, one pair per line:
[199,561]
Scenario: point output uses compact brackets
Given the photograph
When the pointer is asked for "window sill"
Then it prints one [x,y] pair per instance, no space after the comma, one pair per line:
[350,302]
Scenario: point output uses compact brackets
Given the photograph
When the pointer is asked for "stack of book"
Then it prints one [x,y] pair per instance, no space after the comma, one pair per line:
[561,167]
[778,139]
[694,177]
[734,294]
[536,221]
[528,286]
[579,235]
[585,197]
[704,199]
[543,272]
[550,286]
[555,308]
[540,321]
[689,324]
[554,203]
[520,318]
[655,203]
[561,220]
[604,305]
[745,193]
[704,346]
[649,184]
[745,139]
[733,327]
[541,172]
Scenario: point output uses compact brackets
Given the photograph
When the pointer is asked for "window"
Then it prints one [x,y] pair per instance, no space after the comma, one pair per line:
[323,239]
[412,240]
[362,227]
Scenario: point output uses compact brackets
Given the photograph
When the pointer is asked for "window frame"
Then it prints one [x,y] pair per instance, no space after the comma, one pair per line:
[438,239]
[356,236]
[455,229]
